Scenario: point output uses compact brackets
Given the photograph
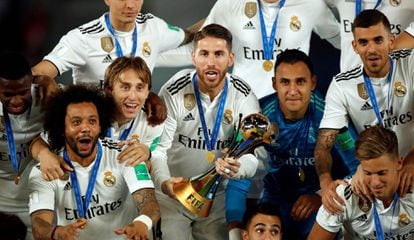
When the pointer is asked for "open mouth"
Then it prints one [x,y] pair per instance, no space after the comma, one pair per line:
[131,107]
[85,144]
[211,75]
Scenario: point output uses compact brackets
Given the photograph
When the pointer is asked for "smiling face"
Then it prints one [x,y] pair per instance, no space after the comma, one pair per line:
[382,175]
[82,129]
[373,45]
[263,227]
[294,84]
[212,58]
[129,93]
[15,95]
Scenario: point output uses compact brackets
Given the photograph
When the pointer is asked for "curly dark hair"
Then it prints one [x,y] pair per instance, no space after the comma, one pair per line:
[55,112]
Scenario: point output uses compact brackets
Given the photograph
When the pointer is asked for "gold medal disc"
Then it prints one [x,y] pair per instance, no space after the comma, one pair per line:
[267,65]
[301,175]
[17,179]
[210,156]
[81,220]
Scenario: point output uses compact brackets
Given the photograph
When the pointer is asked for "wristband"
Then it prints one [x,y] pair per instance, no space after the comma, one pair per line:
[53,232]
[145,219]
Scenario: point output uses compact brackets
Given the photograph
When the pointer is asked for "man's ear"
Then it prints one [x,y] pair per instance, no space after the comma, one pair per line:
[354,46]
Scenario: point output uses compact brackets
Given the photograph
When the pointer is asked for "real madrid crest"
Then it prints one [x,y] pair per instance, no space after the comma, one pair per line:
[295,24]
[227,117]
[362,91]
[403,220]
[109,179]
[189,101]
[395,3]
[250,9]
[399,89]
[146,49]
[107,44]
[364,205]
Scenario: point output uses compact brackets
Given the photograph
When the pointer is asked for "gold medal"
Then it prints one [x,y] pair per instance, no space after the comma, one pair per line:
[17,179]
[364,205]
[65,176]
[210,156]
[82,220]
[267,65]
[301,175]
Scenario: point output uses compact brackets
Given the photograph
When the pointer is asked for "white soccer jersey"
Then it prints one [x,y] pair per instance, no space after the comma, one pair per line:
[182,143]
[361,225]
[89,49]
[294,28]
[111,205]
[410,29]
[347,98]
[26,126]
[399,13]
[148,135]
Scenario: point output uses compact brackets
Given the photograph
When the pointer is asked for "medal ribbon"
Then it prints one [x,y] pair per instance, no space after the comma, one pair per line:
[10,142]
[269,42]
[124,134]
[210,143]
[371,93]
[119,51]
[83,206]
[378,227]
[358,6]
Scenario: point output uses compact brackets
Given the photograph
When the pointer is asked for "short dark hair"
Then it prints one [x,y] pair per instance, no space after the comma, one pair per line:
[370,17]
[14,66]
[216,31]
[376,141]
[292,56]
[265,208]
[121,64]
[12,227]
[54,123]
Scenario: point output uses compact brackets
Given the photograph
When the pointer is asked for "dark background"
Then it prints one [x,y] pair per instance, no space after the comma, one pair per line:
[33,27]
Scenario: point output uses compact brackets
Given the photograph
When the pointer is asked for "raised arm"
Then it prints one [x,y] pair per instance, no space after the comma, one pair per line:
[323,164]
[45,68]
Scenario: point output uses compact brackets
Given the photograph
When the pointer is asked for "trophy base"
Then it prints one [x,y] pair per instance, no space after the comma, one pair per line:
[191,200]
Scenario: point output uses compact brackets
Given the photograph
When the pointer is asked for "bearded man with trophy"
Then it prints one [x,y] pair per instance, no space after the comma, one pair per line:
[205,108]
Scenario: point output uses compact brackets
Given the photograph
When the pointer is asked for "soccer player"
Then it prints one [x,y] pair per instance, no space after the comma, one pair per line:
[375,92]
[262,222]
[400,14]
[22,98]
[95,201]
[122,31]
[204,106]
[296,109]
[389,216]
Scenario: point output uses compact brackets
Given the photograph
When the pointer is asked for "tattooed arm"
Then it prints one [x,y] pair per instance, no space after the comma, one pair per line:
[323,164]
[149,214]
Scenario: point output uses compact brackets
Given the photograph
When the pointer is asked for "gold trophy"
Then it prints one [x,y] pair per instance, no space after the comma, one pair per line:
[197,193]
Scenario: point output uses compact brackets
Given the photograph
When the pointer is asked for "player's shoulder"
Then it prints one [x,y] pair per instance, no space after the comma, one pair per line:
[93,27]
[143,18]
[353,73]
[180,81]
[242,88]
[401,54]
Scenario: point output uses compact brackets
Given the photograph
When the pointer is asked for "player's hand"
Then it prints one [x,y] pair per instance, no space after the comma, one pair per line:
[329,196]
[52,166]
[47,87]
[227,166]
[69,232]
[406,179]
[359,187]
[305,206]
[134,153]
[134,231]
[155,109]
[167,186]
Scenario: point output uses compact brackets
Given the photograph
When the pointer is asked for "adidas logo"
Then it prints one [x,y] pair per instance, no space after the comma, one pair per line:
[68,186]
[366,106]
[249,25]
[189,117]
[362,218]
[107,59]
